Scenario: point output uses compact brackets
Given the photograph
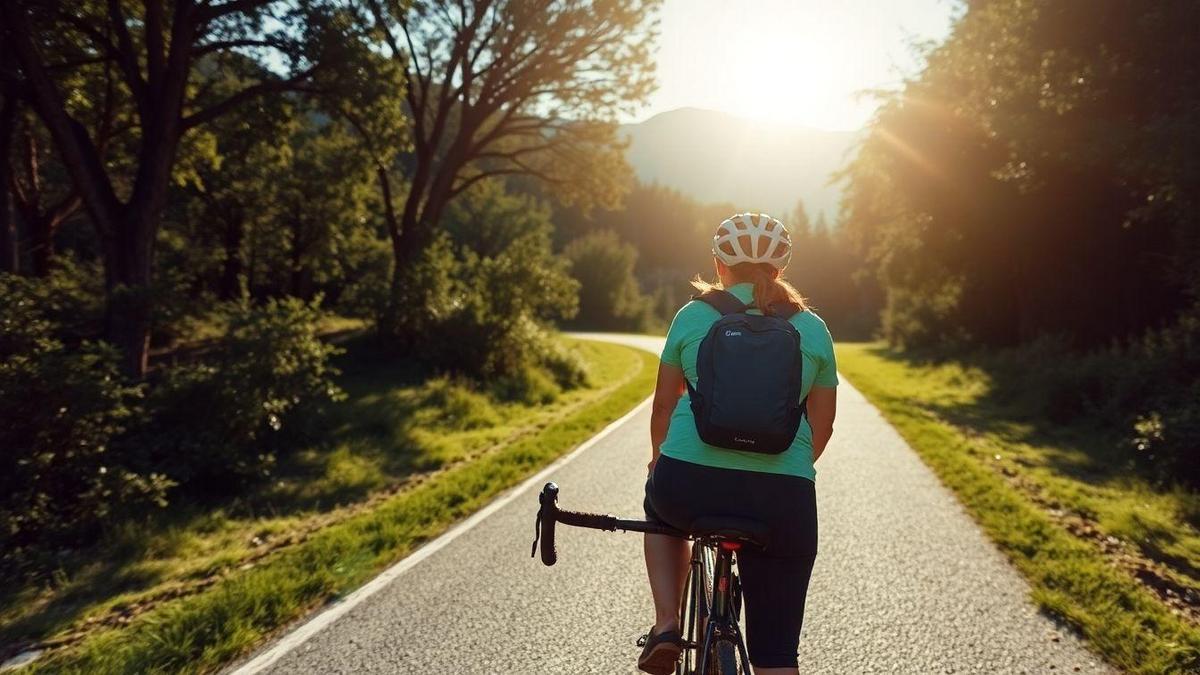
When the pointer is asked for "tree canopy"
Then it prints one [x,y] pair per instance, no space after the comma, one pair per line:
[1033,179]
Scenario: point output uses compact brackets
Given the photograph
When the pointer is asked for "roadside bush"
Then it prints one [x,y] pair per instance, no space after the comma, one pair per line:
[609,297]
[62,473]
[1144,394]
[457,406]
[922,318]
[70,300]
[547,367]
[491,328]
[487,290]
[366,290]
[1166,431]
[222,422]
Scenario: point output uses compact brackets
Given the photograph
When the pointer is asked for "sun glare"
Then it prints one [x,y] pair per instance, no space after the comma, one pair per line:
[796,61]
[778,79]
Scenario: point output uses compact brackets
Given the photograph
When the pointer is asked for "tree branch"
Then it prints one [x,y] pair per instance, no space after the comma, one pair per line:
[153,35]
[127,56]
[492,173]
[415,93]
[557,142]
[209,11]
[64,208]
[80,156]
[268,87]
[98,39]
[210,47]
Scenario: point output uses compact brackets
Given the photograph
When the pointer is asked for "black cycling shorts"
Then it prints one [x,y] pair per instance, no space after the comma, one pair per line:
[774,581]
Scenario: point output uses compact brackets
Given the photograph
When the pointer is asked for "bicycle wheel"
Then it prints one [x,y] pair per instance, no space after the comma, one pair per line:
[723,658]
[694,608]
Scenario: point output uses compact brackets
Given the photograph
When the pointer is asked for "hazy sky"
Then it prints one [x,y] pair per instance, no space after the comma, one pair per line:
[800,61]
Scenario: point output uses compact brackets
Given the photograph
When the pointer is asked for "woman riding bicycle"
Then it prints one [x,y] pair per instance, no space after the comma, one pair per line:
[690,479]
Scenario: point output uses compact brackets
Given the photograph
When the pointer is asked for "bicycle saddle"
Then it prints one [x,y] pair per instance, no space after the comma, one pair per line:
[734,528]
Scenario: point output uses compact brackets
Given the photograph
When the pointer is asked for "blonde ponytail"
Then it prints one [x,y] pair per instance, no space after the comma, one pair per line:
[769,290]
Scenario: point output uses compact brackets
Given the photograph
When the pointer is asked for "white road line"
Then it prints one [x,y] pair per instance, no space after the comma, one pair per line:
[335,611]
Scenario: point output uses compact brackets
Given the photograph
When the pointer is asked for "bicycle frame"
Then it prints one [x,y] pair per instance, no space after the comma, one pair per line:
[722,620]
[723,615]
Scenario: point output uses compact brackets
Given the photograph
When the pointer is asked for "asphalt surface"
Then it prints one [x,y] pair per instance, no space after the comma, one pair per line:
[904,581]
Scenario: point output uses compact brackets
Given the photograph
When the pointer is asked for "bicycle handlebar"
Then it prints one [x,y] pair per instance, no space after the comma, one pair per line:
[549,514]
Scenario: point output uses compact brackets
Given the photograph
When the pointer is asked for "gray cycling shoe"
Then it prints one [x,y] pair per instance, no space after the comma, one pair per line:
[660,652]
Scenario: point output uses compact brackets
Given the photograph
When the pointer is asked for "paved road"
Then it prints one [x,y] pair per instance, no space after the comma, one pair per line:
[904,581]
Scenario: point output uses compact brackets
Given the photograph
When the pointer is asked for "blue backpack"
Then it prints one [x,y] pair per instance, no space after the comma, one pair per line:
[748,378]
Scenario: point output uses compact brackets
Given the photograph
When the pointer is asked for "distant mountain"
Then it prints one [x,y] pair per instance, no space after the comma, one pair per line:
[758,166]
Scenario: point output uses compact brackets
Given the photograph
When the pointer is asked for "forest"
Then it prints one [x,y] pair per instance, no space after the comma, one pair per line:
[202,199]
[198,194]
[1032,196]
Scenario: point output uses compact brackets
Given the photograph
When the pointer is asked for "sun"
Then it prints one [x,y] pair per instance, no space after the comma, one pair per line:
[803,62]
[782,78]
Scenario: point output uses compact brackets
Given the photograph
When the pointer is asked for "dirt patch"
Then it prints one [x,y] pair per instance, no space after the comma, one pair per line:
[1182,599]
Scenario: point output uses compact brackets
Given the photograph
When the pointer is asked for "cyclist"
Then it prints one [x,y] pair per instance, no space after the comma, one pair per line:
[689,479]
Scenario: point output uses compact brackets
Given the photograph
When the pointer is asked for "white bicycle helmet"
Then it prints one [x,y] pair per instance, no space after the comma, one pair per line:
[753,238]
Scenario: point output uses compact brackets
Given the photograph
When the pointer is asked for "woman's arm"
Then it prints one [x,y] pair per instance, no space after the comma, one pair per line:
[822,407]
[667,392]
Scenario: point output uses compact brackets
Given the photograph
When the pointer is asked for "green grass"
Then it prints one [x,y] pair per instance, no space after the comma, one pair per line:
[405,460]
[1079,526]
[198,332]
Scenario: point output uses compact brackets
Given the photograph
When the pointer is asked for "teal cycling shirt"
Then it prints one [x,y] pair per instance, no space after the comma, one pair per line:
[689,327]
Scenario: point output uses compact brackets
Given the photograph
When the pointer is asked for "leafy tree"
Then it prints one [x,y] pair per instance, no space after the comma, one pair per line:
[495,285]
[320,197]
[504,88]
[32,182]
[798,222]
[235,189]
[65,406]
[165,55]
[670,232]
[1034,180]
[221,422]
[33,194]
[666,228]
[828,271]
[609,297]
[372,107]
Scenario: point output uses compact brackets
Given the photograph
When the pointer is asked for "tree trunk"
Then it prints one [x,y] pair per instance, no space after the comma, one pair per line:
[42,221]
[10,248]
[41,244]
[427,197]
[9,245]
[398,321]
[389,321]
[129,261]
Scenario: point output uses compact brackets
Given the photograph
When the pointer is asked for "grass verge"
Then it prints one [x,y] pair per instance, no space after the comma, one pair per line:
[248,602]
[1109,553]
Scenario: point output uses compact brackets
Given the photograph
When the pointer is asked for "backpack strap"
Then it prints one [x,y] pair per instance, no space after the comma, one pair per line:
[721,300]
[727,303]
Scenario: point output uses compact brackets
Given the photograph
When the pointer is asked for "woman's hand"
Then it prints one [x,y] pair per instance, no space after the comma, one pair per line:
[822,408]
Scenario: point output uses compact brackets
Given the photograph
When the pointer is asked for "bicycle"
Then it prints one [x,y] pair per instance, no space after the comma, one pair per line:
[712,601]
